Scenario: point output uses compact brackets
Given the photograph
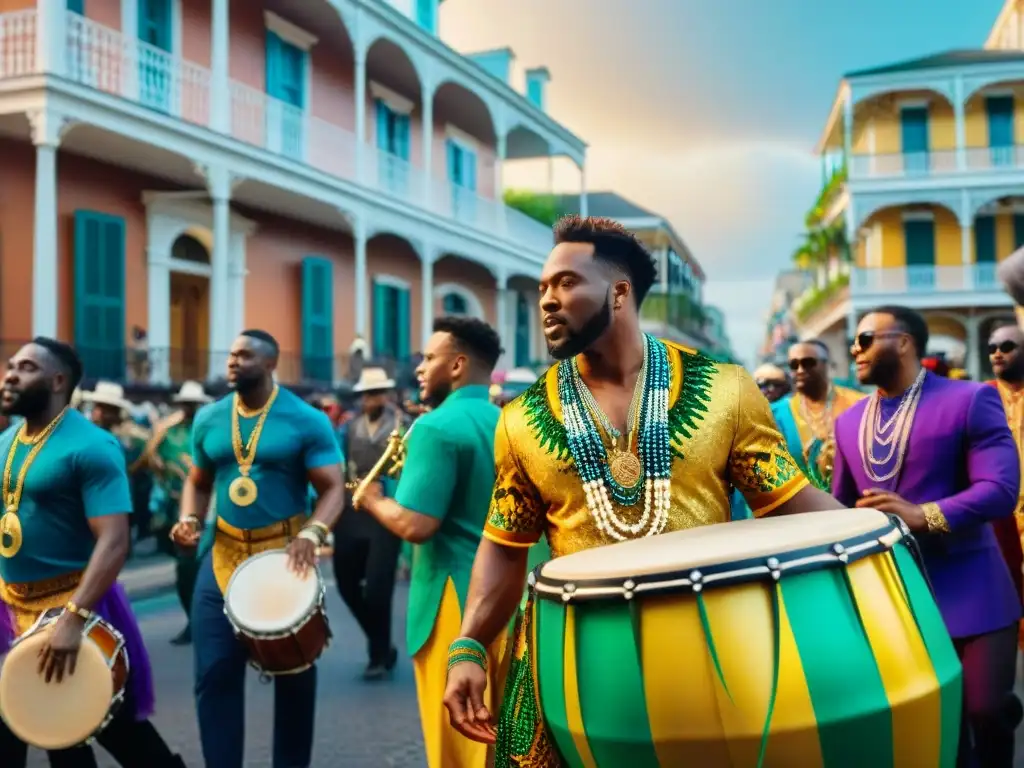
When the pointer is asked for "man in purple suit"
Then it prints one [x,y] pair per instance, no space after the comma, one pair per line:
[938,453]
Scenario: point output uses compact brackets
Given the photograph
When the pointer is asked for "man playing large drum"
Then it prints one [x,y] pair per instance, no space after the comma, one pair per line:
[626,437]
[63,542]
[256,450]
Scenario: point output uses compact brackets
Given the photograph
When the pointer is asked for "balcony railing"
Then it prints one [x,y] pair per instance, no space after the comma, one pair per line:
[102,58]
[937,162]
[926,279]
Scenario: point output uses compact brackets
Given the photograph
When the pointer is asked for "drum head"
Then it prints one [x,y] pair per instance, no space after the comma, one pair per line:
[714,545]
[263,596]
[52,715]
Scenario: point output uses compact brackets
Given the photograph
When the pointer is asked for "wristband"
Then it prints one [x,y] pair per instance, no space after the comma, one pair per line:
[81,613]
[189,520]
[322,527]
[309,534]
[467,649]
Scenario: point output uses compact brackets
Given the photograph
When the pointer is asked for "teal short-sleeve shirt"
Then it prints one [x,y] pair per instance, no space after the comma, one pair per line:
[448,475]
[296,438]
[78,474]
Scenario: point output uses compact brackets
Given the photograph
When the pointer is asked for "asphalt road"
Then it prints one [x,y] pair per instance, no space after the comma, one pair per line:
[359,725]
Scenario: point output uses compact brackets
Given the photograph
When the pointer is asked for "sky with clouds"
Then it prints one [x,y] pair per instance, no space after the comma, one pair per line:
[707,111]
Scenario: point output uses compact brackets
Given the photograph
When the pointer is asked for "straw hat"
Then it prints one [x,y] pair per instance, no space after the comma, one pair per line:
[107,393]
[192,392]
[373,380]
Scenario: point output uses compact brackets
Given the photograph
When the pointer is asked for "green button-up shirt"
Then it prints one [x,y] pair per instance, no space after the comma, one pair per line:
[448,475]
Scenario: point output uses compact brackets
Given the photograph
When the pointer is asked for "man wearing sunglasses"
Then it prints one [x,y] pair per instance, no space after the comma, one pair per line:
[937,453]
[807,417]
[1007,359]
[772,381]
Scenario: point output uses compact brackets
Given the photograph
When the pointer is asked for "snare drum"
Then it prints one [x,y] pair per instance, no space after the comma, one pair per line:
[807,640]
[62,715]
[279,616]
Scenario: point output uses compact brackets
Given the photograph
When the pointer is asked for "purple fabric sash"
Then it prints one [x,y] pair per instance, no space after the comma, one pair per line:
[115,608]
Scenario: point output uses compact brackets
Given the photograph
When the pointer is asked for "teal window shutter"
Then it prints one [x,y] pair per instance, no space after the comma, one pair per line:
[380,320]
[383,132]
[402,136]
[317,319]
[469,170]
[1000,111]
[403,321]
[985,239]
[453,161]
[454,304]
[77,6]
[273,59]
[919,237]
[99,294]
[1018,230]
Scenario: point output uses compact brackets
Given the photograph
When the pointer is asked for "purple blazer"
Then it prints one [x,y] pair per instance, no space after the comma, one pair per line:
[961,456]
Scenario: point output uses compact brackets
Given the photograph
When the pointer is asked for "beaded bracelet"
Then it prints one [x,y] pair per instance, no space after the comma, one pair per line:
[467,649]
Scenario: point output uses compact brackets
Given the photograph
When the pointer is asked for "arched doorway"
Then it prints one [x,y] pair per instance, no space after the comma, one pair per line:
[190,309]
[455,304]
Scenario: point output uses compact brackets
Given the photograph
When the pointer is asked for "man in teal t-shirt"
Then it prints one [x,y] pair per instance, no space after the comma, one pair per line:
[254,453]
[441,505]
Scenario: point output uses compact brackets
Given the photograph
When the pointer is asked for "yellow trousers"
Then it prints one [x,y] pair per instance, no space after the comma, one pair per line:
[446,747]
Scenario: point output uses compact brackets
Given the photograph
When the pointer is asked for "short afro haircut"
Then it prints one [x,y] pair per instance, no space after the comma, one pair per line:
[614,245]
[67,358]
[474,337]
[266,338]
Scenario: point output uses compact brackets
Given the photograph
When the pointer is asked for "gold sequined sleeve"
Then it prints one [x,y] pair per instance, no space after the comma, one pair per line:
[760,465]
[516,517]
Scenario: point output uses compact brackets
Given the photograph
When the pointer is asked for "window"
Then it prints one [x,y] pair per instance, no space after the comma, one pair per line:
[914,138]
[1001,139]
[461,165]
[984,240]
[392,131]
[286,85]
[155,66]
[77,6]
[187,248]
[99,293]
[455,304]
[317,319]
[391,322]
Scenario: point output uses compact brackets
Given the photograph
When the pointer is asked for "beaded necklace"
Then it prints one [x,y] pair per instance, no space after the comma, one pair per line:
[873,431]
[591,457]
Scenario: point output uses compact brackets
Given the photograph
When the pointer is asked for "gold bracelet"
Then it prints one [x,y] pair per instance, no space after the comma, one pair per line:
[310,535]
[81,613]
[190,520]
[933,517]
[321,526]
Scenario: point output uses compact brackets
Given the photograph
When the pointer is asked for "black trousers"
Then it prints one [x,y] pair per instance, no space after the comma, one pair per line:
[132,743]
[991,709]
[365,566]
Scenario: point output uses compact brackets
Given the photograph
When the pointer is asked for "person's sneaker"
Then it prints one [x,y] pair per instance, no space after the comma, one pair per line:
[184,637]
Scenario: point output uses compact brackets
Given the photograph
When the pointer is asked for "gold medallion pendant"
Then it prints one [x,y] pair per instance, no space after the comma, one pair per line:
[626,468]
[242,491]
[10,535]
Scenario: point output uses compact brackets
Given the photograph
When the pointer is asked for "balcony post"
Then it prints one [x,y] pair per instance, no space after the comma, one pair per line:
[427,107]
[501,313]
[960,123]
[966,235]
[362,287]
[48,128]
[51,36]
[427,294]
[220,88]
[360,83]
[220,182]
[848,130]
[584,202]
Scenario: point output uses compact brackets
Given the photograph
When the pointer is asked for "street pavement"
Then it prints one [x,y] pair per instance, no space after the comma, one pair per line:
[359,725]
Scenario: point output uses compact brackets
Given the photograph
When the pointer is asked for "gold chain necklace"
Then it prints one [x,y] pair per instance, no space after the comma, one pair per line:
[897,441]
[11,536]
[820,423]
[243,490]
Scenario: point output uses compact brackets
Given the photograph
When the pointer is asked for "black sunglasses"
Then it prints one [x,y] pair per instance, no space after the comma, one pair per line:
[865,339]
[770,383]
[1006,347]
[807,363]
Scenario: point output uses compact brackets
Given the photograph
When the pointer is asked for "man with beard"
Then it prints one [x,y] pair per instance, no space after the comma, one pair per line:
[938,454]
[169,454]
[568,464]
[63,541]
[441,506]
[365,552]
[255,452]
[1005,355]
[807,417]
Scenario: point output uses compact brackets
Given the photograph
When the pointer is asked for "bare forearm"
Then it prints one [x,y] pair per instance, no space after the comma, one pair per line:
[495,590]
[108,558]
[404,523]
[194,502]
[329,505]
[808,499]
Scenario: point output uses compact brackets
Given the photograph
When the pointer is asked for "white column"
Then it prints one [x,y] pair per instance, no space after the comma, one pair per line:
[584,202]
[973,347]
[427,295]
[236,284]
[500,150]
[51,36]
[501,324]
[220,94]
[220,182]
[360,83]
[960,123]
[130,41]
[427,99]
[362,287]
[47,129]
[158,289]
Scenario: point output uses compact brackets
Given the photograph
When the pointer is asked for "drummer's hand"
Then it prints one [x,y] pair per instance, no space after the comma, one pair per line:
[185,534]
[60,653]
[464,698]
[893,504]
[301,556]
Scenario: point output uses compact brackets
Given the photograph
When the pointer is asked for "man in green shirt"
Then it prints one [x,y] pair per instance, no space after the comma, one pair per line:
[441,505]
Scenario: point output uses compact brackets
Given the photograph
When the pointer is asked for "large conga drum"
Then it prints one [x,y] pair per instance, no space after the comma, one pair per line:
[793,642]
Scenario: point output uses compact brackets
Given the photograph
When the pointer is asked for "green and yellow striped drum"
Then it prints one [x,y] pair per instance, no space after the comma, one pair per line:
[800,641]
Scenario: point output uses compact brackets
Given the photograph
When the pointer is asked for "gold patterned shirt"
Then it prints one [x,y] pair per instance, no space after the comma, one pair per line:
[723,436]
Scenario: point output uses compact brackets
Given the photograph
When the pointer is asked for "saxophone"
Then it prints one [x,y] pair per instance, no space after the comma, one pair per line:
[389,464]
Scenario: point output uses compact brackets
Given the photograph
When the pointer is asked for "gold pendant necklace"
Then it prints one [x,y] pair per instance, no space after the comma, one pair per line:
[11,535]
[625,467]
[243,491]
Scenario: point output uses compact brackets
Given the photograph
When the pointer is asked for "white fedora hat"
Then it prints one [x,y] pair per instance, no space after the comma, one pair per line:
[107,393]
[374,380]
[192,392]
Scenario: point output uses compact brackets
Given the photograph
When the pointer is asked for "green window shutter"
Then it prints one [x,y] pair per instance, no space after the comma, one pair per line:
[317,319]
[378,309]
[1018,230]
[403,352]
[985,239]
[99,294]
